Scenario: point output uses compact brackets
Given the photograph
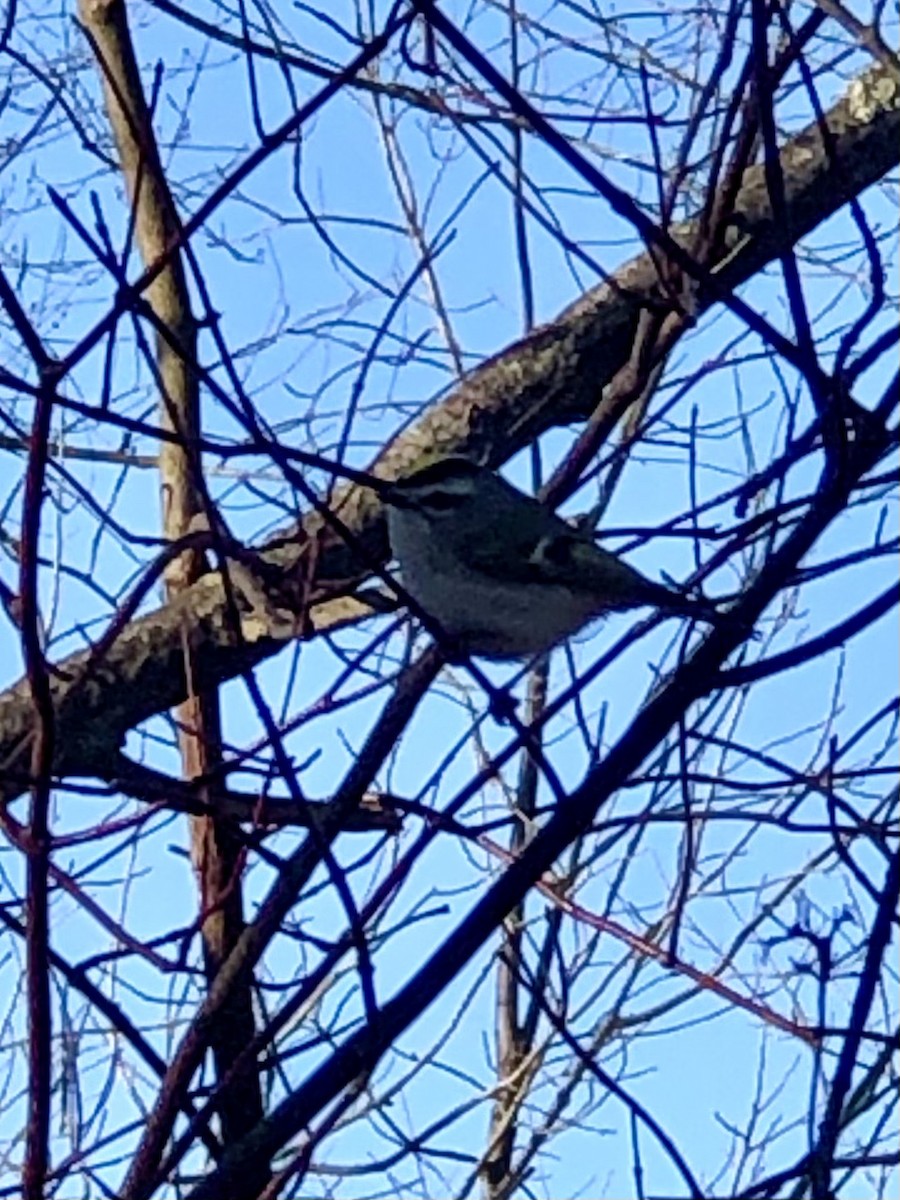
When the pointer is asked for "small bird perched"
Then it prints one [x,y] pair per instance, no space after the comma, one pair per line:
[500,572]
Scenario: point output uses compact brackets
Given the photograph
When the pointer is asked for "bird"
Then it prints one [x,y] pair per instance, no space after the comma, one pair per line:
[499,572]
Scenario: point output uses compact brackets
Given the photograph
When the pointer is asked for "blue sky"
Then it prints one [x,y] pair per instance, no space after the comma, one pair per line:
[298,320]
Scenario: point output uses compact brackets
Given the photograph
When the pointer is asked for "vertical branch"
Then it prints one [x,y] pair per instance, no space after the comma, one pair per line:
[512,1043]
[822,1157]
[514,1040]
[37,844]
[216,844]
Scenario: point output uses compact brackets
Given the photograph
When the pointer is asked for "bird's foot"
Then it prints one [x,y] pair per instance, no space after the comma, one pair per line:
[502,705]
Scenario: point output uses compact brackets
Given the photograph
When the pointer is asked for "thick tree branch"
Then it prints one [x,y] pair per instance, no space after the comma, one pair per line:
[552,377]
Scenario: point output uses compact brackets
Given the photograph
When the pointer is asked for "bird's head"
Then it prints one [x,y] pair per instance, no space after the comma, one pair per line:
[451,487]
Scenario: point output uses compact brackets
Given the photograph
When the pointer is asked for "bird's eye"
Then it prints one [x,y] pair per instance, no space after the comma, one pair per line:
[442,501]
[558,550]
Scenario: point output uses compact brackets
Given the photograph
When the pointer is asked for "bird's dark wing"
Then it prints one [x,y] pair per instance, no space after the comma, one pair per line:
[520,557]
[565,556]
[509,560]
